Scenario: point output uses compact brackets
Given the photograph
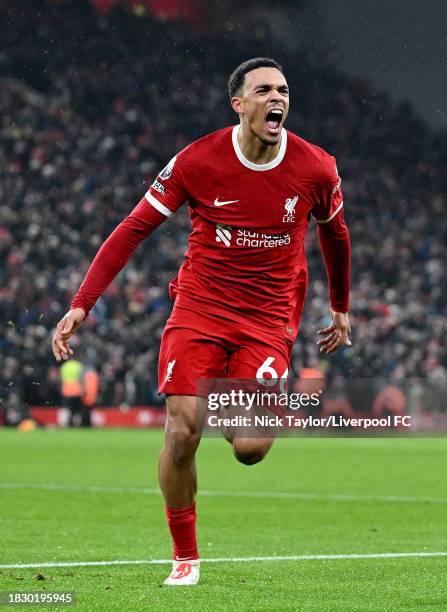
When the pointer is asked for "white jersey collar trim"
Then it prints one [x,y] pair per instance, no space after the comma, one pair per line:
[259,167]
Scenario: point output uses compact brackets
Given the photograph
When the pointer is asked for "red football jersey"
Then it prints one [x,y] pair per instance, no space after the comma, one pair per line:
[245,260]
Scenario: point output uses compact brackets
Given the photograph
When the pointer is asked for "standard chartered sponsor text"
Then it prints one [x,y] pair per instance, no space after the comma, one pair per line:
[249,238]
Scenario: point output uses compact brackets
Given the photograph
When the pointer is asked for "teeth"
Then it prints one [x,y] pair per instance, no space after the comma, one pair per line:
[276,111]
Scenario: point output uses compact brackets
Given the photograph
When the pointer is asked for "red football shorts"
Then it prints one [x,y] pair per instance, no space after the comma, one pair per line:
[204,346]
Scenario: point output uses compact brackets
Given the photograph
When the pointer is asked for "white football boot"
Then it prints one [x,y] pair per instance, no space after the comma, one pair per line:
[184,573]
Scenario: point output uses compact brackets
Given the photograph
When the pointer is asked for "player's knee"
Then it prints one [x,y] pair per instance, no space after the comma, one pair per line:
[249,458]
[182,444]
[182,432]
[250,451]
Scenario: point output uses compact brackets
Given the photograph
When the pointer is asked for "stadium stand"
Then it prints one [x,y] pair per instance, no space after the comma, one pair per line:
[92,106]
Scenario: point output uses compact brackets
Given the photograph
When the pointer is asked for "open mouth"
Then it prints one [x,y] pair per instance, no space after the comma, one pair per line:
[273,120]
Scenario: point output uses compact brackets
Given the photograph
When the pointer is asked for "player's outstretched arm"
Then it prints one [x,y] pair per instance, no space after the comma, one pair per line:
[110,259]
[336,249]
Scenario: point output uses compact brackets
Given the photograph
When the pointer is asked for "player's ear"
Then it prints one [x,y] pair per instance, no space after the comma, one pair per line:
[237,105]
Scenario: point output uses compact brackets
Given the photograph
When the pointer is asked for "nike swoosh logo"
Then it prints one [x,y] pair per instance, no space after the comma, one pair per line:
[217,203]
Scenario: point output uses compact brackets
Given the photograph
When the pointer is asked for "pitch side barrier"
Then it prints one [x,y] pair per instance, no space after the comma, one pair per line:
[293,406]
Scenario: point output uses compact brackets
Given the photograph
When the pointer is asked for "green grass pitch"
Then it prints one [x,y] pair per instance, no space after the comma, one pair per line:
[339,497]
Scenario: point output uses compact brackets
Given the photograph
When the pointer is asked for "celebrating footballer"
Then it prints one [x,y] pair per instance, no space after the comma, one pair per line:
[251,191]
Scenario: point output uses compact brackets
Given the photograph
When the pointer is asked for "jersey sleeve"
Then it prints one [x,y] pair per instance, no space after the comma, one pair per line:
[170,189]
[329,196]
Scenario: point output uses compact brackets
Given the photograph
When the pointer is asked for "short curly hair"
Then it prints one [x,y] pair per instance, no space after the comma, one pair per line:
[237,78]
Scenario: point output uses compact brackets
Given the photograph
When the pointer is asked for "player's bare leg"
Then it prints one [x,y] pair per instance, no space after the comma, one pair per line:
[177,467]
[178,482]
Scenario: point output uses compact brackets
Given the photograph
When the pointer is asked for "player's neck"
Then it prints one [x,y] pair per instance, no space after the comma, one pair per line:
[254,149]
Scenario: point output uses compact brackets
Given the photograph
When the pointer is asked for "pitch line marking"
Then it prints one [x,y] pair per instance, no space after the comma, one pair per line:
[228,560]
[207,493]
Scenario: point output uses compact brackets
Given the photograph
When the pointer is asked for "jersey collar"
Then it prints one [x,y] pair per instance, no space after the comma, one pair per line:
[259,167]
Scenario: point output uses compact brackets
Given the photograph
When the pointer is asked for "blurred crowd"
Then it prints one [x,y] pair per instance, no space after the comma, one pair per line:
[92,107]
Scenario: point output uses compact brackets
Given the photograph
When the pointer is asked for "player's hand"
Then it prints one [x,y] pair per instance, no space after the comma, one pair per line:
[64,330]
[336,334]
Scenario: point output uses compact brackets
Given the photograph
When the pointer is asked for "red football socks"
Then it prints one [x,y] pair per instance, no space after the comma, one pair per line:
[182,525]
